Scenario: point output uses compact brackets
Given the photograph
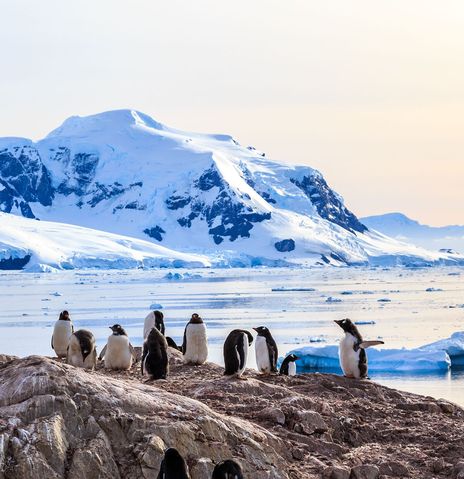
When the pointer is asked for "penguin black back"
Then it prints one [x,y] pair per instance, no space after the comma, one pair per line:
[284,366]
[159,321]
[86,341]
[228,469]
[234,357]
[173,466]
[271,346]
[155,356]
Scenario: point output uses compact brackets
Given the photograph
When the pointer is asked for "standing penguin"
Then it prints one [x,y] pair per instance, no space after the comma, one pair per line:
[82,351]
[351,351]
[236,352]
[195,346]
[266,351]
[228,469]
[155,355]
[288,366]
[173,466]
[61,334]
[118,352]
[154,319]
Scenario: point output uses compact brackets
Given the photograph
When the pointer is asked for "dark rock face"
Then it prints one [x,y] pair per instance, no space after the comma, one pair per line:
[14,263]
[285,245]
[156,232]
[24,179]
[236,220]
[327,203]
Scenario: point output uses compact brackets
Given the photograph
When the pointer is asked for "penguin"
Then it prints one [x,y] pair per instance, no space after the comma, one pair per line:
[236,352]
[172,343]
[351,351]
[118,352]
[155,355]
[154,319]
[195,345]
[266,351]
[228,469]
[288,366]
[61,334]
[173,466]
[82,351]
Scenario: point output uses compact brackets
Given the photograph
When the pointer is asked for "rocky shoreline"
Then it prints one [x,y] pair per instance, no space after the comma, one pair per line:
[57,421]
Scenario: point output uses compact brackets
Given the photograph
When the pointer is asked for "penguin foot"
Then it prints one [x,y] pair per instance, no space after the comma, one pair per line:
[242,378]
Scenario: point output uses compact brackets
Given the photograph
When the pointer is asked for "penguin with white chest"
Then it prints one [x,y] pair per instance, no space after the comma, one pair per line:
[82,351]
[266,351]
[228,469]
[173,466]
[288,366]
[155,356]
[62,334]
[236,352]
[351,351]
[195,345]
[154,319]
[118,352]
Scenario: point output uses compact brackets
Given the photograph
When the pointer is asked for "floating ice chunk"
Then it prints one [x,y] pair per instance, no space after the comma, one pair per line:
[346,292]
[330,299]
[364,322]
[454,346]
[317,339]
[174,276]
[55,293]
[292,289]
[322,358]
[432,290]
[156,306]
[384,300]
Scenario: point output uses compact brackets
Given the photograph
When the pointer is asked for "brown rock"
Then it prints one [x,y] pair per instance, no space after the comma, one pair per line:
[366,471]
[273,415]
[335,472]
[393,469]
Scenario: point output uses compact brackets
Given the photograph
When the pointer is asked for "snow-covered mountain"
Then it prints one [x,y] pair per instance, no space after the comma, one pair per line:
[125,173]
[403,228]
[42,245]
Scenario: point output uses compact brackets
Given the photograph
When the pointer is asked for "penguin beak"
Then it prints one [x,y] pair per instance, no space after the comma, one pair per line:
[338,321]
[256,329]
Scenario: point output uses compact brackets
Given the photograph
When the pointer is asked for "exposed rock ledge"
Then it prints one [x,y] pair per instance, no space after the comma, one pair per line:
[57,421]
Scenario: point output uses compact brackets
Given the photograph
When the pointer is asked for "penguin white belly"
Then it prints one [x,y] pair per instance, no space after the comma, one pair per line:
[149,324]
[61,334]
[118,355]
[262,355]
[245,355]
[292,368]
[197,344]
[349,358]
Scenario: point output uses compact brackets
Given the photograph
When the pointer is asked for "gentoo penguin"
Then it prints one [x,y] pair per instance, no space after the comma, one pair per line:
[155,355]
[81,350]
[266,351]
[154,319]
[195,345]
[61,334]
[351,351]
[118,352]
[173,466]
[228,469]
[236,352]
[288,366]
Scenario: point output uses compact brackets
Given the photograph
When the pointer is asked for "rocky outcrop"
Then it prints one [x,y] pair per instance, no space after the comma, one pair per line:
[57,421]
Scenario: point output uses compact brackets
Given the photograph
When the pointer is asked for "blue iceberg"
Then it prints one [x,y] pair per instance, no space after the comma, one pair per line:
[434,357]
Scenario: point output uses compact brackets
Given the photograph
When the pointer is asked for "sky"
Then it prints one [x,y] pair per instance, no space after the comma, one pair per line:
[371,93]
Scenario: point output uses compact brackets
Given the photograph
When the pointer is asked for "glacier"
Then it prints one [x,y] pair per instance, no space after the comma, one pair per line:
[124,173]
[433,357]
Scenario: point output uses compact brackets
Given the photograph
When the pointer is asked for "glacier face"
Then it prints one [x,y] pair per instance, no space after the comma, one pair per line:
[125,173]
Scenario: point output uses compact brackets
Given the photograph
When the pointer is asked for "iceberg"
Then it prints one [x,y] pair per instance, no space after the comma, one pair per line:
[435,357]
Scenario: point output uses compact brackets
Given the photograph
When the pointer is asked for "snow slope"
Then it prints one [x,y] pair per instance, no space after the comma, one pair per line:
[42,246]
[125,173]
[399,226]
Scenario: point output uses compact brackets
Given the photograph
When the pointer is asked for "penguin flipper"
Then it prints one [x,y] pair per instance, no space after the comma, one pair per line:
[184,344]
[52,343]
[368,344]
[144,355]
[132,351]
[103,352]
[273,354]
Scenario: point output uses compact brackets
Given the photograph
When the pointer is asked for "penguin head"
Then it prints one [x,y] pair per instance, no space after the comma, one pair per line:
[159,316]
[174,462]
[196,319]
[348,326]
[292,357]
[118,330]
[64,316]
[262,331]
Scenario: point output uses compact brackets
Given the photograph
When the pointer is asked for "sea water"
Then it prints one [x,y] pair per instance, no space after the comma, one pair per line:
[403,307]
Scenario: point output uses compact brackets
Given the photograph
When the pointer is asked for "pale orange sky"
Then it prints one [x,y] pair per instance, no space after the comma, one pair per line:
[370,93]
